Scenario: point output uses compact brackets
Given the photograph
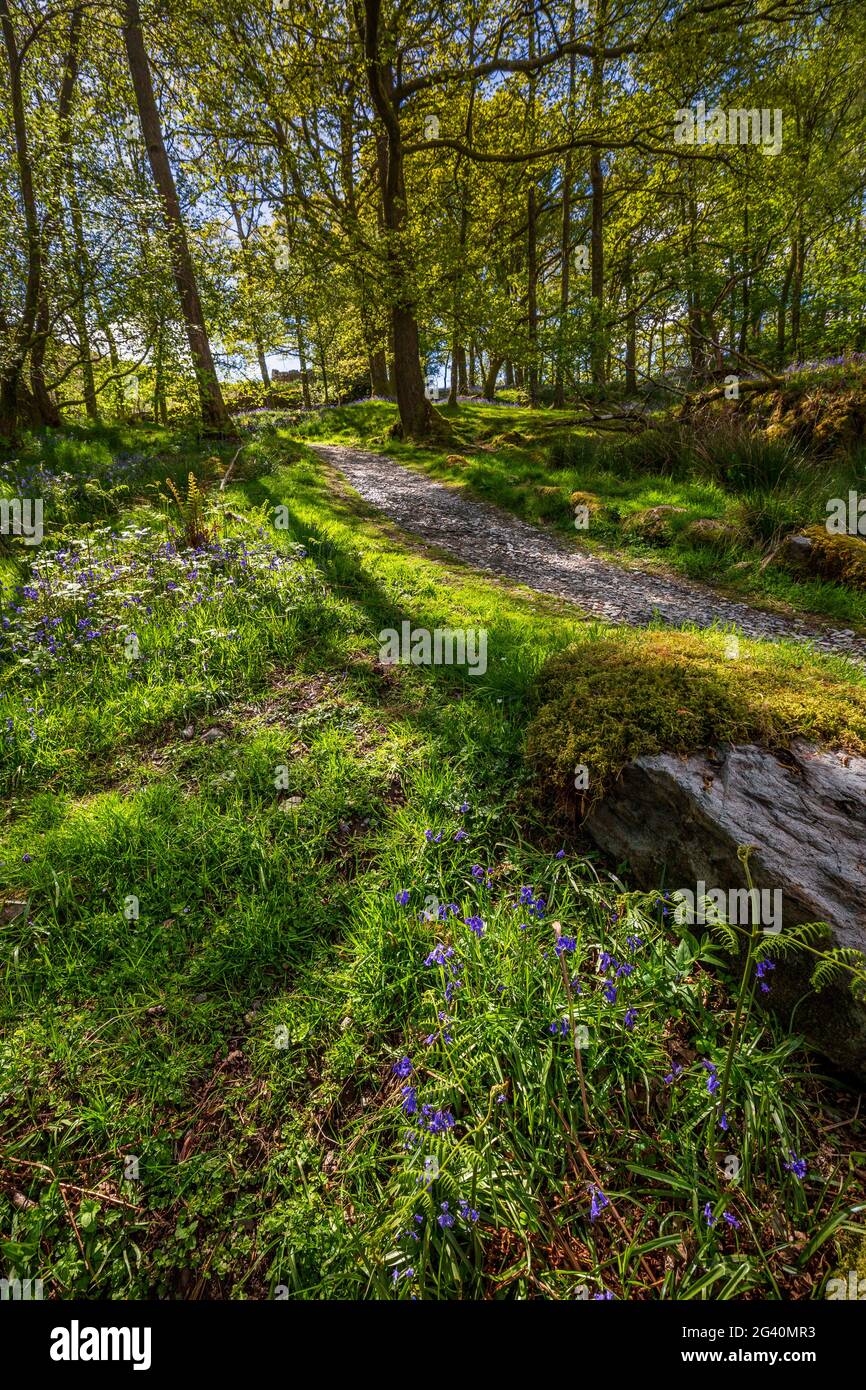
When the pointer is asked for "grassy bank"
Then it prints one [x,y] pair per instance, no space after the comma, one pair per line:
[285,1008]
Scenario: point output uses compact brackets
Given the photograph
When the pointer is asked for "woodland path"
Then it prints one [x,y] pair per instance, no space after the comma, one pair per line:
[490,539]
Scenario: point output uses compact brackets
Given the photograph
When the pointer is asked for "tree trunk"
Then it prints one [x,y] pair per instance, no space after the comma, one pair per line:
[565,233]
[596,180]
[797,293]
[214,413]
[379,373]
[630,330]
[532,231]
[417,418]
[13,361]
[490,378]
[747,272]
[302,359]
[48,414]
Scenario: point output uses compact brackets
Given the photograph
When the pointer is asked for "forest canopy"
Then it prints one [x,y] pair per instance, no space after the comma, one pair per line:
[568,198]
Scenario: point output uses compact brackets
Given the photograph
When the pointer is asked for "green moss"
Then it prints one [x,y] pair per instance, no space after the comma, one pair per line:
[842,557]
[606,702]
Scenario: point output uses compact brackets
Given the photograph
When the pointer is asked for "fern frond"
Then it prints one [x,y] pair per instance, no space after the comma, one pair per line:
[793,939]
[838,963]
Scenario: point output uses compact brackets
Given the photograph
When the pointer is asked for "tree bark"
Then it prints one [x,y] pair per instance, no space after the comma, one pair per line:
[214,413]
[797,292]
[417,417]
[596,180]
[492,373]
[379,373]
[565,234]
[11,370]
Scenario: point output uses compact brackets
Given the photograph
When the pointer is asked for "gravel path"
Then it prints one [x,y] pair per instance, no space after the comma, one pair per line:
[489,539]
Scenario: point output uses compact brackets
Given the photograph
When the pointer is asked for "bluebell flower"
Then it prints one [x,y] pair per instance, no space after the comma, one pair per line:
[560,854]
[609,991]
[475,924]
[598,1202]
[601,1297]
[565,943]
[797,1166]
[403,1068]
[708,1213]
[461,835]
[410,1101]
[731,1220]
[438,1121]
[633,943]
[439,954]
[468,1213]
[446,1219]
[401,898]
[630,1018]
[673,1073]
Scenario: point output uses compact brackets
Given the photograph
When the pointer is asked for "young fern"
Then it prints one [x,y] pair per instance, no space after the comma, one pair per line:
[838,962]
[194,528]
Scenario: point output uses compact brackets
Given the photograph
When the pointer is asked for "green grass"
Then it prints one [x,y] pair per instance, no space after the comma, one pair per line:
[523,478]
[206,969]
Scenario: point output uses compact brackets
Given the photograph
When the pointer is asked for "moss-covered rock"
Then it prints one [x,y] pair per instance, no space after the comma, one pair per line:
[709,531]
[653,524]
[511,437]
[586,499]
[841,557]
[602,703]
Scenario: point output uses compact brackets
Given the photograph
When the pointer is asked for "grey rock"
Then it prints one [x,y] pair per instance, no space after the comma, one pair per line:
[681,820]
[795,552]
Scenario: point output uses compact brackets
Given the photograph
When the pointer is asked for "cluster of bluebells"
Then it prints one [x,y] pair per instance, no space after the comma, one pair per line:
[529,905]
[726,1216]
[762,969]
[446,1217]
[608,965]
[443,956]
[92,595]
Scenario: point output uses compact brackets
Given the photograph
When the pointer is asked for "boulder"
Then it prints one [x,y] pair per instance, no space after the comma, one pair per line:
[708,531]
[795,552]
[680,820]
[653,523]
